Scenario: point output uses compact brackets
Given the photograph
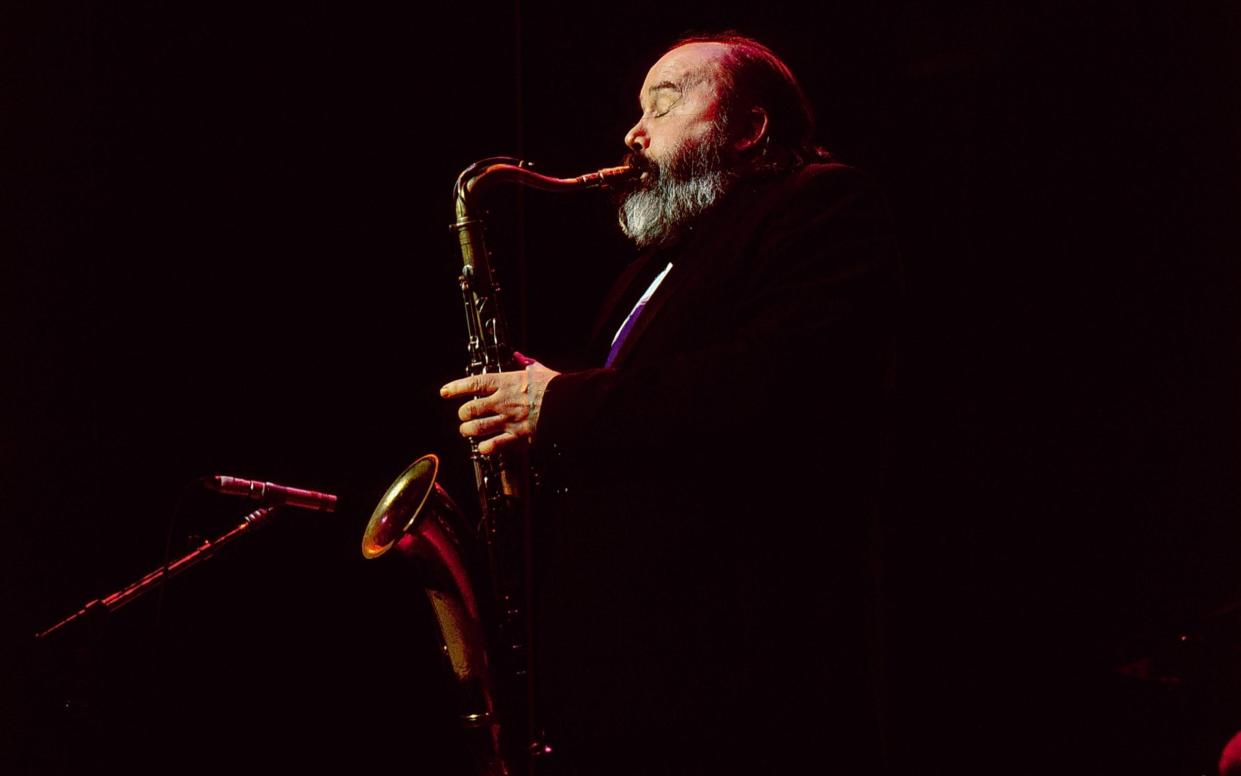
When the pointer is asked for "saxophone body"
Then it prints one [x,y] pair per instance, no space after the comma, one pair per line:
[487,637]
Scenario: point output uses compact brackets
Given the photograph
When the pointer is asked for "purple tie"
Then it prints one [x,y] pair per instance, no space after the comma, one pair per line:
[624,332]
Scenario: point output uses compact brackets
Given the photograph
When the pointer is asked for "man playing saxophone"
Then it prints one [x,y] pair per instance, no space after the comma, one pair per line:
[704,602]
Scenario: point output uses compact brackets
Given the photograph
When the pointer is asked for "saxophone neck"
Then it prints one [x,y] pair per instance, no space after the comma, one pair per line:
[484,175]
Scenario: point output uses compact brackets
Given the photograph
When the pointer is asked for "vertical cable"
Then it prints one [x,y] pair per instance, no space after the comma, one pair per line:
[519,130]
[532,734]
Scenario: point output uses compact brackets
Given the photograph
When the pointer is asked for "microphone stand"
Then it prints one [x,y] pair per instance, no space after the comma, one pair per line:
[134,590]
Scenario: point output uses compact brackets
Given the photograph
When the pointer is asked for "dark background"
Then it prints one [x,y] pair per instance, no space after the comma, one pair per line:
[225,251]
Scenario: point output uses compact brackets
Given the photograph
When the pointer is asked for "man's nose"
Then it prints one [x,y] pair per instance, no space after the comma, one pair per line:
[636,138]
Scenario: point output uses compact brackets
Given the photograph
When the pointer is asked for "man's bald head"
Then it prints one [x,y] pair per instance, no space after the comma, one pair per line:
[752,77]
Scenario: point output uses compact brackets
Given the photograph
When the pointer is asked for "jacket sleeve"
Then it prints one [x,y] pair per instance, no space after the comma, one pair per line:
[805,333]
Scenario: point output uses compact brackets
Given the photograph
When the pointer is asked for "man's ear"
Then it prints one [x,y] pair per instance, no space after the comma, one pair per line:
[754,131]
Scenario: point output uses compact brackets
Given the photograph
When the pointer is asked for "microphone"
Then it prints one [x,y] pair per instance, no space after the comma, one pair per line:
[273,493]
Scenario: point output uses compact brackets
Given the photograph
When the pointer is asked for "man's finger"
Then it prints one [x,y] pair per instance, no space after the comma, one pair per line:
[489,446]
[478,408]
[483,426]
[468,386]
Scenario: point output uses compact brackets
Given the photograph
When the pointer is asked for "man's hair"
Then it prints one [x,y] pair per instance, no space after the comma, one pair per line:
[755,77]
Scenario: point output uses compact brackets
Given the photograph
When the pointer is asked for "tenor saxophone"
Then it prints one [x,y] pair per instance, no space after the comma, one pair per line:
[487,640]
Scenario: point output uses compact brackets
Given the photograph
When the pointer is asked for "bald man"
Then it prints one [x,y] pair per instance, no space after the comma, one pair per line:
[703,582]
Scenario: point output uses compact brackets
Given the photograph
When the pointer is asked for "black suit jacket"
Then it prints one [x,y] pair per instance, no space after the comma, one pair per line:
[703,596]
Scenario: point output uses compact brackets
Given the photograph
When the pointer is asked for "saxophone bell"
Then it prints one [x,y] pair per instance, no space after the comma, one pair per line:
[418,517]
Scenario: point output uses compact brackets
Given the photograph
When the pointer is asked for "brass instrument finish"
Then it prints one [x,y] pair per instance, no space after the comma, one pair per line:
[419,518]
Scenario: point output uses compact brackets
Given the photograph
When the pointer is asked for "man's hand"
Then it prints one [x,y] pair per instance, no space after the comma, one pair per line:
[507,405]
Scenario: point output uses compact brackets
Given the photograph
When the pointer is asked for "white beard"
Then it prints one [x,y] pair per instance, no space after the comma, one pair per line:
[659,211]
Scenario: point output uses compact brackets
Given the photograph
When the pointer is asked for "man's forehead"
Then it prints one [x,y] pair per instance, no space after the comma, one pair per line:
[684,63]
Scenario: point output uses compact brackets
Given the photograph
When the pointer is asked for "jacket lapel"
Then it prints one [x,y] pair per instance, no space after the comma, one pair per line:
[613,310]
